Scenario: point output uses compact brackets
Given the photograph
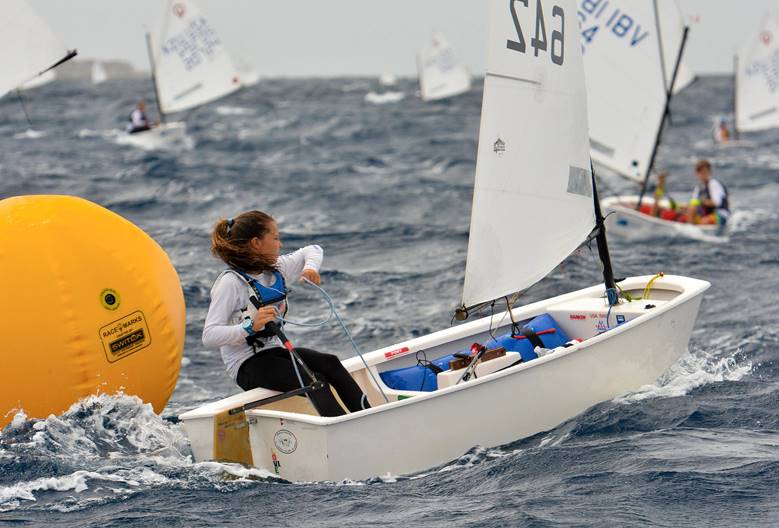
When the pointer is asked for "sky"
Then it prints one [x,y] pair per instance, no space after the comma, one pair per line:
[303,38]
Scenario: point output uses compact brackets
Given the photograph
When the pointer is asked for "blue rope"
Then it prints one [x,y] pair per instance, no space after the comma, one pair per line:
[334,312]
[612,296]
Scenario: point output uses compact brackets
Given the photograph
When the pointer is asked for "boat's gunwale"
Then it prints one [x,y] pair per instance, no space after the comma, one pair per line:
[623,205]
[688,288]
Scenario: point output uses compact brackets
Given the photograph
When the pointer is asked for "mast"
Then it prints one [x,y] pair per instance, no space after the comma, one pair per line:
[603,246]
[154,77]
[669,93]
[660,48]
[735,96]
[24,107]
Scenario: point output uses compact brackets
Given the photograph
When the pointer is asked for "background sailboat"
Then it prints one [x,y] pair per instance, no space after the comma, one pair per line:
[98,74]
[633,58]
[441,75]
[28,47]
[189,68]
[29,50]
[757,80]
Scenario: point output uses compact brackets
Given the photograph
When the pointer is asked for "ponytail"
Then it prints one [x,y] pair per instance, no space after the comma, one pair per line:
[231,237]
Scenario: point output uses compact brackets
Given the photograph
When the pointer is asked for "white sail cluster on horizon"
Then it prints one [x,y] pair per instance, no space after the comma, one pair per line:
[533,179]
[99,75]
[441,74]
[28,47]
[757,79]
[627,83]
[191,66]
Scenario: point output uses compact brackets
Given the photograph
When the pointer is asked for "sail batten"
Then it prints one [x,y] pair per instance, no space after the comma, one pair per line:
[191,65]
[757,86]
[532,200]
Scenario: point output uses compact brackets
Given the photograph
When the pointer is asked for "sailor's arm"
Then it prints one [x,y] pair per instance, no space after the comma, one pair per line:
[218,330]
[305,262]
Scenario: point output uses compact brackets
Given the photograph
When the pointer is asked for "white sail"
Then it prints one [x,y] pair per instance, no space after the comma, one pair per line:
[441,75]
[99,74]
[190,64]
[671,31]
[625,82]
[532,203]
[757,79]
[28,47]
[249,75]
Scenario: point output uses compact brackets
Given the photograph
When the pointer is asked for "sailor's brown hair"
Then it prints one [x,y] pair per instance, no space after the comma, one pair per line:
[702,164]
[230,241]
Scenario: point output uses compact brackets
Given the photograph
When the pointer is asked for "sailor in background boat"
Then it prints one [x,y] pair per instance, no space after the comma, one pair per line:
[721,132]
[250,245]
[709,202]
[138,122]
[660,193]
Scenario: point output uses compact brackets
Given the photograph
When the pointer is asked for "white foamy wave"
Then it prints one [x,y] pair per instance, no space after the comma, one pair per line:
[233,110]
[30,134]
[690,372]
[384,98]
[89,133]
[101,440]
[96,427]
[745,219]
[78,482]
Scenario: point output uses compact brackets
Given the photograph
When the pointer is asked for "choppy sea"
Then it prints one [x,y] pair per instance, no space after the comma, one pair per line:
[386,190]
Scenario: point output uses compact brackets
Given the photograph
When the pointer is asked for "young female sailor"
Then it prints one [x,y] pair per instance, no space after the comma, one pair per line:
[249,244]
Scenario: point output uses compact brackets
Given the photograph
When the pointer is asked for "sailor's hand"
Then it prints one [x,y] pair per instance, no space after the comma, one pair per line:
[311,275]
[264,315]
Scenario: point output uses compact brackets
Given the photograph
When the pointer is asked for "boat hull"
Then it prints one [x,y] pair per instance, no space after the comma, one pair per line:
[166,136]
[430,429]
[624,221]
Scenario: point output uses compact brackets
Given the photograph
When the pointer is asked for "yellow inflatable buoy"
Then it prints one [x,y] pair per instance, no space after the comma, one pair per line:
[91,304]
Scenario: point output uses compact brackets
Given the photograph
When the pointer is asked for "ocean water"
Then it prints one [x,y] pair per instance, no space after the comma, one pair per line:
[386,190]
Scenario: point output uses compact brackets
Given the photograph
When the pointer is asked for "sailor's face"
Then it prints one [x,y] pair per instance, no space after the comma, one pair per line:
[270,243]
[703,174]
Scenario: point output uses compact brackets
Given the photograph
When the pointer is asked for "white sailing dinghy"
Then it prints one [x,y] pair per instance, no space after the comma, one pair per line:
[757,80]
[441,74]
[633,59]
[99,75]
[527,177]
[29,52]
[189,68]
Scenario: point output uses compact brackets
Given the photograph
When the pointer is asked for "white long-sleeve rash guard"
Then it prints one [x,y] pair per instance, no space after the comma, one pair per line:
[230,294]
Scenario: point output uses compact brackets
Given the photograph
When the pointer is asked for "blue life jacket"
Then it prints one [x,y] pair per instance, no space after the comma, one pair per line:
[262,295]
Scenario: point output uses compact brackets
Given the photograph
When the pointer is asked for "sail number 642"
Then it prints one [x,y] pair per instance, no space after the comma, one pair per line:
[539,43]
